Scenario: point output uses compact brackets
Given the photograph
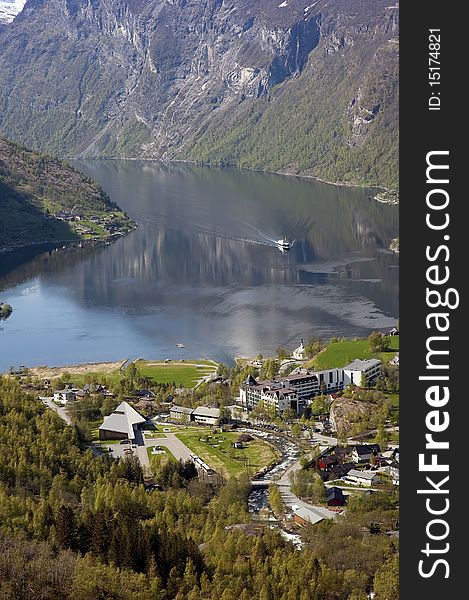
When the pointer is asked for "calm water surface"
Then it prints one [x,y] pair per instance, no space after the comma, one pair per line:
[203,270]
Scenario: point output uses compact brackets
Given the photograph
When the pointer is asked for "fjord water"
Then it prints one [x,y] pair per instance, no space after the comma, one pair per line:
[203,270]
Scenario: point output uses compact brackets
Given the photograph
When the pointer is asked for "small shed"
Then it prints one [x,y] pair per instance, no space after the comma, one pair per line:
[335,497]
[306,516]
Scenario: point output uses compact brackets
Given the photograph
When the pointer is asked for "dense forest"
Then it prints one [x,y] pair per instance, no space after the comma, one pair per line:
[83,527]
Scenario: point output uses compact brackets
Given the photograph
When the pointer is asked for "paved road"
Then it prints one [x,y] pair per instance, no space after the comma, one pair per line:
[292,501]
[58,409]
[177,448]
[324,439]
[142,450]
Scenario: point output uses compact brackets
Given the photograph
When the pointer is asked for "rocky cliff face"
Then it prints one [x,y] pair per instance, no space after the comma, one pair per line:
[202,79]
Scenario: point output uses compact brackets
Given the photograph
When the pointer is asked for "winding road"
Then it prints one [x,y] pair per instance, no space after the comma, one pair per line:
[48,401]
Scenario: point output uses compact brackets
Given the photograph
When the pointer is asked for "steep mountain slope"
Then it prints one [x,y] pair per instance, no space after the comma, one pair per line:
[297,86]
[43,199]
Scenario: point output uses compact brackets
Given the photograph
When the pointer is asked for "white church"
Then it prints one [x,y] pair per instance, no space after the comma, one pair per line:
[300,352]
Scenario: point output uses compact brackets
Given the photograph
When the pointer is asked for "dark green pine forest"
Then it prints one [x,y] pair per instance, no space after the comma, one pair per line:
[74,526]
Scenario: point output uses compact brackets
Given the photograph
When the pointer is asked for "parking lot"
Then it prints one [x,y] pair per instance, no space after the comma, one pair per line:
[118,450]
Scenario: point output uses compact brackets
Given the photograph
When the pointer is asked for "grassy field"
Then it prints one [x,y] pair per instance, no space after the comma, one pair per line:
[97,229]
[112,377]
[155,432]
[185,373]
[217,451]
[159,460]
[94,425]
[338,354]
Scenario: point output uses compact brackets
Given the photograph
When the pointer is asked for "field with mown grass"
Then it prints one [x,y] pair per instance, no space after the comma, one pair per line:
[340,353]
[218,452]
[186,373]
[157,461]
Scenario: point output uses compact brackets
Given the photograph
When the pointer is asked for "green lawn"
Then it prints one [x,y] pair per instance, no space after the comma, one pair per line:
[97,229]
[338,354]
[158,460]
[185,373]
[217,451]
[80,379]
[155,433]
[94,425]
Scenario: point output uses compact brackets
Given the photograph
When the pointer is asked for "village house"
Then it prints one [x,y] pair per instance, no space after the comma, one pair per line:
[367,478]
[206,415]
[147,394]
[326,462]
[393,470]
[95,388]
[363,453]
[64,396]
[181,413]
[336,471]
[304,516]
[335,497]
[201,414]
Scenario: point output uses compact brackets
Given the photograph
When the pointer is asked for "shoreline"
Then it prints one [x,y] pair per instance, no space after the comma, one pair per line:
[44,371]
[283,173]
[70,243]
[49,372]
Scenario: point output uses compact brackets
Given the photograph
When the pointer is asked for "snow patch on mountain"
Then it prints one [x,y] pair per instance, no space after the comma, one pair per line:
[9,9]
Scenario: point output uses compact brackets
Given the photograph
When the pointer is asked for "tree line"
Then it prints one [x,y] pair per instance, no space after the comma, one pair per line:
[75,526]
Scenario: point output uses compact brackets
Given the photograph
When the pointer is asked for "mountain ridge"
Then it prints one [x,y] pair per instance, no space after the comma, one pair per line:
[309,88]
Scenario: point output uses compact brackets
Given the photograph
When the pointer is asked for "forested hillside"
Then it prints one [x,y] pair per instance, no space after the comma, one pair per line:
[35,187]
[74,526]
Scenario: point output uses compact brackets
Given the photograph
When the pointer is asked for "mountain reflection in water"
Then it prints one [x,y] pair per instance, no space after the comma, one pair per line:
[203,267]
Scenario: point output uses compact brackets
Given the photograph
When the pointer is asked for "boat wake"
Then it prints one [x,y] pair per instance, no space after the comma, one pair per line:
[259,238]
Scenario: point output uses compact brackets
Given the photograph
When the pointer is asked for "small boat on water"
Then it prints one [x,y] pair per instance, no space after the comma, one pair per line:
[180,345]
[284,244]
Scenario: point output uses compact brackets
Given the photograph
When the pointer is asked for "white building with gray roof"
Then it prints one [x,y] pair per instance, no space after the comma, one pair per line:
[204,414]
[201,414]
[370,368]
[121,424]
[182,413]
[296,389]
[367,478]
